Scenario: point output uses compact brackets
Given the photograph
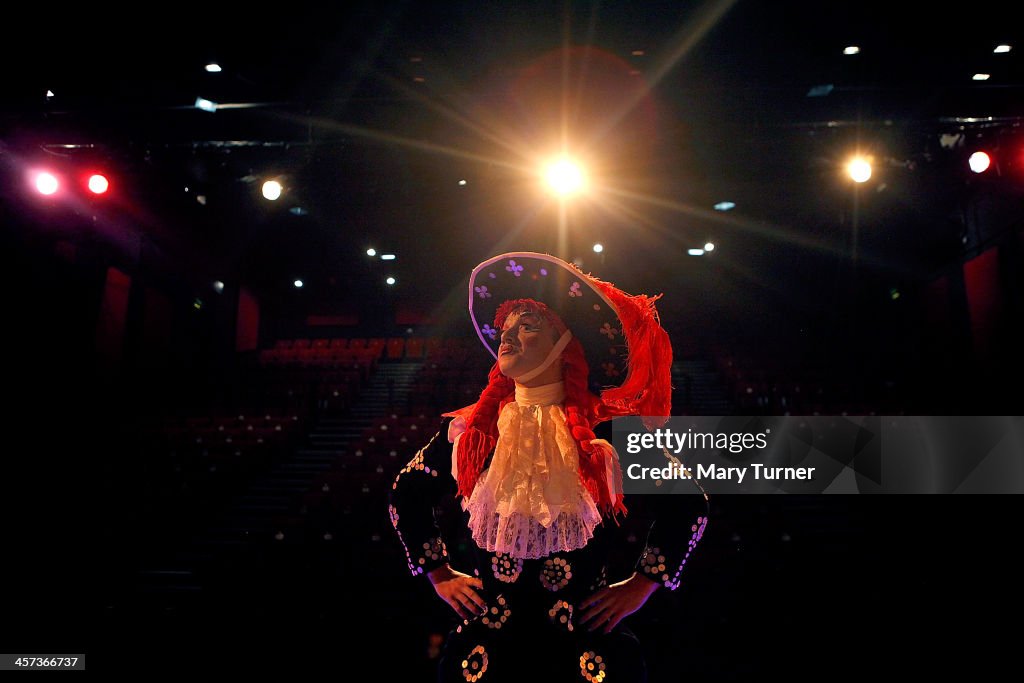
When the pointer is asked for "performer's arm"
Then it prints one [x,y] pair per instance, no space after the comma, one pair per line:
[678,524]
[416,493]
[676,530]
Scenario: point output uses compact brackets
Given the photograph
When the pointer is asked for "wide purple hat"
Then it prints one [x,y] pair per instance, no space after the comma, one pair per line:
[567,291]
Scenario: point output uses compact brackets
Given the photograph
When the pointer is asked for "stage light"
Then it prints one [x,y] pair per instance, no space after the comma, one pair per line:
[218,286]
[205,105]
[298,284]
[213,68]
[725,206]
[859,169]
[709,246]
[851,50]
[979,162]
[462,182]
[387,257]
[390,280]
[371,252]
[46,183]
[272,190]
[98,183]
[695,252]
[565,177]
[1001,49]
[598,248]
[981,77]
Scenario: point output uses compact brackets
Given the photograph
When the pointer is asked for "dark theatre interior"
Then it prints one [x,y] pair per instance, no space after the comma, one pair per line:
[199,451]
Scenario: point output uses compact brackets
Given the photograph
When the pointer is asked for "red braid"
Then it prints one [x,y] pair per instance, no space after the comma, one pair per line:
[581,411]
[481,432]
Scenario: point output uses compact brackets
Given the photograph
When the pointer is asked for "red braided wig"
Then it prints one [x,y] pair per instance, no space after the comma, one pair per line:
[582,409]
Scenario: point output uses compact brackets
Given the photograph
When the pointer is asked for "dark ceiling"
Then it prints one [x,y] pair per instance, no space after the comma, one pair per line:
[373,112]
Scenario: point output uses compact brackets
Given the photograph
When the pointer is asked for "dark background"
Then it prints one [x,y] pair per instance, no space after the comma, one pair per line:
[899,296]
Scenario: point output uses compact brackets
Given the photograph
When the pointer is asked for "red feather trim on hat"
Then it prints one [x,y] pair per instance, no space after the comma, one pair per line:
[647,389]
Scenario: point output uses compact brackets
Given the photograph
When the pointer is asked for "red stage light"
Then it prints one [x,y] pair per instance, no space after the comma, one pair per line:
[98,183]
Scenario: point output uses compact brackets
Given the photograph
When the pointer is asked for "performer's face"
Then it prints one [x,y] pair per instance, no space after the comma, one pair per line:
[526,340]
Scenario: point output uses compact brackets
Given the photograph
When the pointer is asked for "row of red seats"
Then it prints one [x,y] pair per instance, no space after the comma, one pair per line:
[431,348]
[196,422]
[228,433]
[332,357]
[334,343]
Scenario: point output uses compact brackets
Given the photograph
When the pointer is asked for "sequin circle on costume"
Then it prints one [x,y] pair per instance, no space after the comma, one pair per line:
[497,615]
[506,568]
[592,666]
[654,564]
[556,573]
[474,665]
[561,615]
[433,550]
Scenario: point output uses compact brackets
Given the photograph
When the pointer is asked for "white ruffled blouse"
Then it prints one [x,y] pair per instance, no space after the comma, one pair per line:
[530,501]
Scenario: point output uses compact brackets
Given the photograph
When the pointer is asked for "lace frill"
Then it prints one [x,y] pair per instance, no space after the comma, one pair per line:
[530,502]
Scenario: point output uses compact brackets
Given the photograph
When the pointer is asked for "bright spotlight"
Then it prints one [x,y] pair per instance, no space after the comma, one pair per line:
[387,257]
[725,206]
[709,246]
[851,50]
[218,286]
[390,280]
[695,252]
[271,190]
[859,169]
[205,105]
[46,183]
[565,177]
[1002,49]
[98,183]
[981,77]
[298,284]
[213,68]
[371,252]
[598,248]
[979,162]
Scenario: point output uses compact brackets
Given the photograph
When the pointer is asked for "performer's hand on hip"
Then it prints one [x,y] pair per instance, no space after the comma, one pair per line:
[614,603]
[456,589]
